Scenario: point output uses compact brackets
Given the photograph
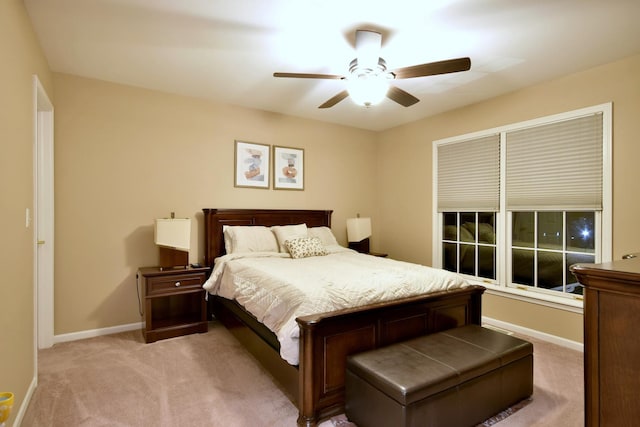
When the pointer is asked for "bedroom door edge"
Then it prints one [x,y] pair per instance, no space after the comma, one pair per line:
[43,224]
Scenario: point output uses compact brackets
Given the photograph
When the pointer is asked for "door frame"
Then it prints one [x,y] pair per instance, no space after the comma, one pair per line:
[43,214]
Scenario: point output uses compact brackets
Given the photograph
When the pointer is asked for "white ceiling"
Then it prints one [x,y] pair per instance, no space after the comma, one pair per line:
[227,50]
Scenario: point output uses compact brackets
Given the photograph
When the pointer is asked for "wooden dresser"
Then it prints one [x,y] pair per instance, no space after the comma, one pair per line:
[611,341]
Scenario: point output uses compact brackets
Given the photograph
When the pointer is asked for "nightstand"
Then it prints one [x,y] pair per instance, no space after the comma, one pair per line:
[174,302]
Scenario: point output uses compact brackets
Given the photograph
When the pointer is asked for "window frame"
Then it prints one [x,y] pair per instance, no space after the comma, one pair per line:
[502,285]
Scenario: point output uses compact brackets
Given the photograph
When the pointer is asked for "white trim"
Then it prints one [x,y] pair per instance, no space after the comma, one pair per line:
[606,249]
[92,333]
[17,421]
[547,300]
[553,339]
[43,223]
[436,218]
[42,144]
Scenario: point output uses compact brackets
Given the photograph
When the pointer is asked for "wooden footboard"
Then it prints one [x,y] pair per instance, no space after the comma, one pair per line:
[327,339]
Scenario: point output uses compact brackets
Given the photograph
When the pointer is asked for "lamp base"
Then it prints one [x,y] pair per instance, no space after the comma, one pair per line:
[362,246]
[171,258]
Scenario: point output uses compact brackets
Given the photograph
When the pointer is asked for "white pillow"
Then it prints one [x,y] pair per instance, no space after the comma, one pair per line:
[249,238]
[228,245]
[324,234]
[288,232]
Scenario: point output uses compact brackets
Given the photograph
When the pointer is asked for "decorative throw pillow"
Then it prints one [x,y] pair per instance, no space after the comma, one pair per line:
[304,247]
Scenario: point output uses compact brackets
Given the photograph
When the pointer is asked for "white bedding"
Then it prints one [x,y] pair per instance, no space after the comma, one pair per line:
[276,288]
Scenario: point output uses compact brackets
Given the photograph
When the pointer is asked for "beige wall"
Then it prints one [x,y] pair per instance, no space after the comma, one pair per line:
[125,156]
[21,58]
[405,168]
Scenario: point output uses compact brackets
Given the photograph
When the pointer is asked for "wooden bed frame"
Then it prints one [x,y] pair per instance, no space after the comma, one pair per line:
[326,339]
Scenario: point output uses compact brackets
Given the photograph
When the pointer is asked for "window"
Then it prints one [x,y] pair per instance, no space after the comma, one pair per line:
[469,243]
[518,205]
[545,244]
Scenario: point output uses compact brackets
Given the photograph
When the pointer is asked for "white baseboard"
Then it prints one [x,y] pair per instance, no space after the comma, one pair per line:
[96,332]
[25,402]
[574,345]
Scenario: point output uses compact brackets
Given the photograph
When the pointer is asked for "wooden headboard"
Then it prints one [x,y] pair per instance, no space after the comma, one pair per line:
[215,219]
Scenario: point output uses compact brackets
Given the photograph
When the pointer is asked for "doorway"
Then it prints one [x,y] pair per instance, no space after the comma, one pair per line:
[43,217]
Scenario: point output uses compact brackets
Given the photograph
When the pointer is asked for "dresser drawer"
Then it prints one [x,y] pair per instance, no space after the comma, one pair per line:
[178,283]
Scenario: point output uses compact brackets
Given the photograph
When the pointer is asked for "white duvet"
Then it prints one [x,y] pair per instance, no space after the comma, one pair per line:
[276,288]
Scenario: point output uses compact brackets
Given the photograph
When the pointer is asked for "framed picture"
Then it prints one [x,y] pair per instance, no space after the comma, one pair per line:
[252,165]
[288,168]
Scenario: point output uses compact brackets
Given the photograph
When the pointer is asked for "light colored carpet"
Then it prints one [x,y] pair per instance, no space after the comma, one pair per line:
[210,380]
[558,388]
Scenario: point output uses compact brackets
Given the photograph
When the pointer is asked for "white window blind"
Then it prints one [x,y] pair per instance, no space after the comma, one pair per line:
[469,175]
[555,166]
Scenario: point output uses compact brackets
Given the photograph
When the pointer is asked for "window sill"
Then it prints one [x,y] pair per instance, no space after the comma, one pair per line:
[561,303]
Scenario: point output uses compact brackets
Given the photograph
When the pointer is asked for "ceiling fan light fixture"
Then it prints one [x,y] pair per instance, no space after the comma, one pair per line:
[368,90]
[368,81]
[368,48]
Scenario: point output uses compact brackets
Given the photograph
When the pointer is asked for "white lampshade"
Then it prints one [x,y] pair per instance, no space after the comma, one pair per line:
[173,233]
[358,229]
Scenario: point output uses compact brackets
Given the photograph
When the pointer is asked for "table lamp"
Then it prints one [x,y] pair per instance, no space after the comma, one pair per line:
[173,237]
[358,233]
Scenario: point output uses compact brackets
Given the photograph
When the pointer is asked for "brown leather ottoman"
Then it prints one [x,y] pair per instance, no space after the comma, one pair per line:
[458,377]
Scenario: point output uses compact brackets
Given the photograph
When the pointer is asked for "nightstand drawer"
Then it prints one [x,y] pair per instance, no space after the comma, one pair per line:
[160,285]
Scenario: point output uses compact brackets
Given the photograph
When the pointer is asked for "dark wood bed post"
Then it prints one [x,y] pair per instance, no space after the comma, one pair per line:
[307,415]
[326,339]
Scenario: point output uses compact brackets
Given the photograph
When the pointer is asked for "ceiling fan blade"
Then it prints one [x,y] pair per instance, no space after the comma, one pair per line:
[333,101]
[309,76]
[401,97]
[433,68]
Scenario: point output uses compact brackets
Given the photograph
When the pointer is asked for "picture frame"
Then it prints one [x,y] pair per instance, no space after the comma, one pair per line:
[252,165]
[288,168]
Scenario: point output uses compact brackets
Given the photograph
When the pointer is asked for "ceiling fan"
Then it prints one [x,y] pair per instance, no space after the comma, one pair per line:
[368,81]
